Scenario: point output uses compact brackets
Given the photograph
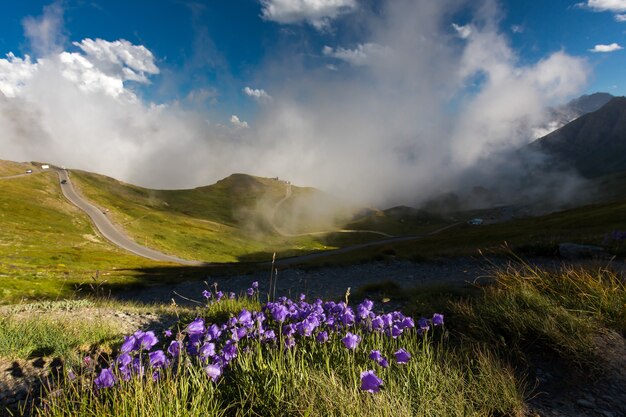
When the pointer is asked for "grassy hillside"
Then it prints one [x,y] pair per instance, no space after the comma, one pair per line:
[400,220]
[47,246]
[225,222]
[530,236]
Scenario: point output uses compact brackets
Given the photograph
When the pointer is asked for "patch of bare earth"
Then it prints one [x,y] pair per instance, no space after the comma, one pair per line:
[598,392]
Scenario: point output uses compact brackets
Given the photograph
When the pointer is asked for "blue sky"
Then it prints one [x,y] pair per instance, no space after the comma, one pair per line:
[177,93]
[223,45]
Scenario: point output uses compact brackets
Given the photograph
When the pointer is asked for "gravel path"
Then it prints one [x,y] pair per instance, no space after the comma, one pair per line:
[332,282]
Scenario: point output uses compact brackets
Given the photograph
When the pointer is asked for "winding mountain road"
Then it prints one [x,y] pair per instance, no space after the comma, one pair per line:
[109,231]
[117,237]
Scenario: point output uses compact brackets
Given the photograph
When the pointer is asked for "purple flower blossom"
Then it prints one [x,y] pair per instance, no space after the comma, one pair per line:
[250,292]
[157,358]
[214,332]
[370,382]
[196,327]
[207,350]
[167,333]
[377,323]
[123,360]
[269,335]
[255,285]
[279,312]
[437,319]
[231,295]
[213,372]
[106,379]
[322,337]
[148,340]
[129,344]
[375,355]
[402,356]
[351,340]
[174,348]
[229,351]
[407,323]
[423,325]
[244,316]
[363,309]
[219,295]
[396,331]
[206,294]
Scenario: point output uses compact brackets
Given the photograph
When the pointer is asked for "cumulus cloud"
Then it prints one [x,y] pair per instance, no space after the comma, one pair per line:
[239,124]
[133,62]
[15,73]
[464,32]
[363,54]
[259,95]
[616,6]
[606,48]
[318,13]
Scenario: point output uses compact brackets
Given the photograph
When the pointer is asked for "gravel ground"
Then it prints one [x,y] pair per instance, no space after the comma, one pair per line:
[332,282]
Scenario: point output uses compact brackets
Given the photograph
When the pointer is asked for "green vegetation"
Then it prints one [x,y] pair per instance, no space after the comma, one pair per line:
[560,312]
[476,367]
[533,236]
[48,247]
[310,379]
[229,221]
[53,334]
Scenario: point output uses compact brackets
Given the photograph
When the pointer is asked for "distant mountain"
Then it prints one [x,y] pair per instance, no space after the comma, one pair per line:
[562,115]
[593,144]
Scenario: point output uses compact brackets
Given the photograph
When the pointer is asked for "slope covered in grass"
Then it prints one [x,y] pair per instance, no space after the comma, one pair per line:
[228,221]
[47,246]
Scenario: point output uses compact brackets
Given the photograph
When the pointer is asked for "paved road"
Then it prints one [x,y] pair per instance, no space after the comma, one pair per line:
[109,231]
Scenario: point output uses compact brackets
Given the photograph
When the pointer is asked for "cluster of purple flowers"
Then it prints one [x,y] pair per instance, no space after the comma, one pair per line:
[279,324]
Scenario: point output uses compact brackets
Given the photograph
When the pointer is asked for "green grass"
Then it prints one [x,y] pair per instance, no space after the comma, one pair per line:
[52,335]
[48,247]
[533,309]
[476,367]
[536,236]
[313,380]
[225,222]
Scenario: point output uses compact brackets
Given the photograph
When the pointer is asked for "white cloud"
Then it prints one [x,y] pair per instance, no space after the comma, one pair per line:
[120,57]
[363,54]
[103,68]
[318,13]
[620,17]
[615,6]
[606,48]
[45,33]
[15,73]
[517,28]
[83,73]
[464,32]
[259,95]
[239,124]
